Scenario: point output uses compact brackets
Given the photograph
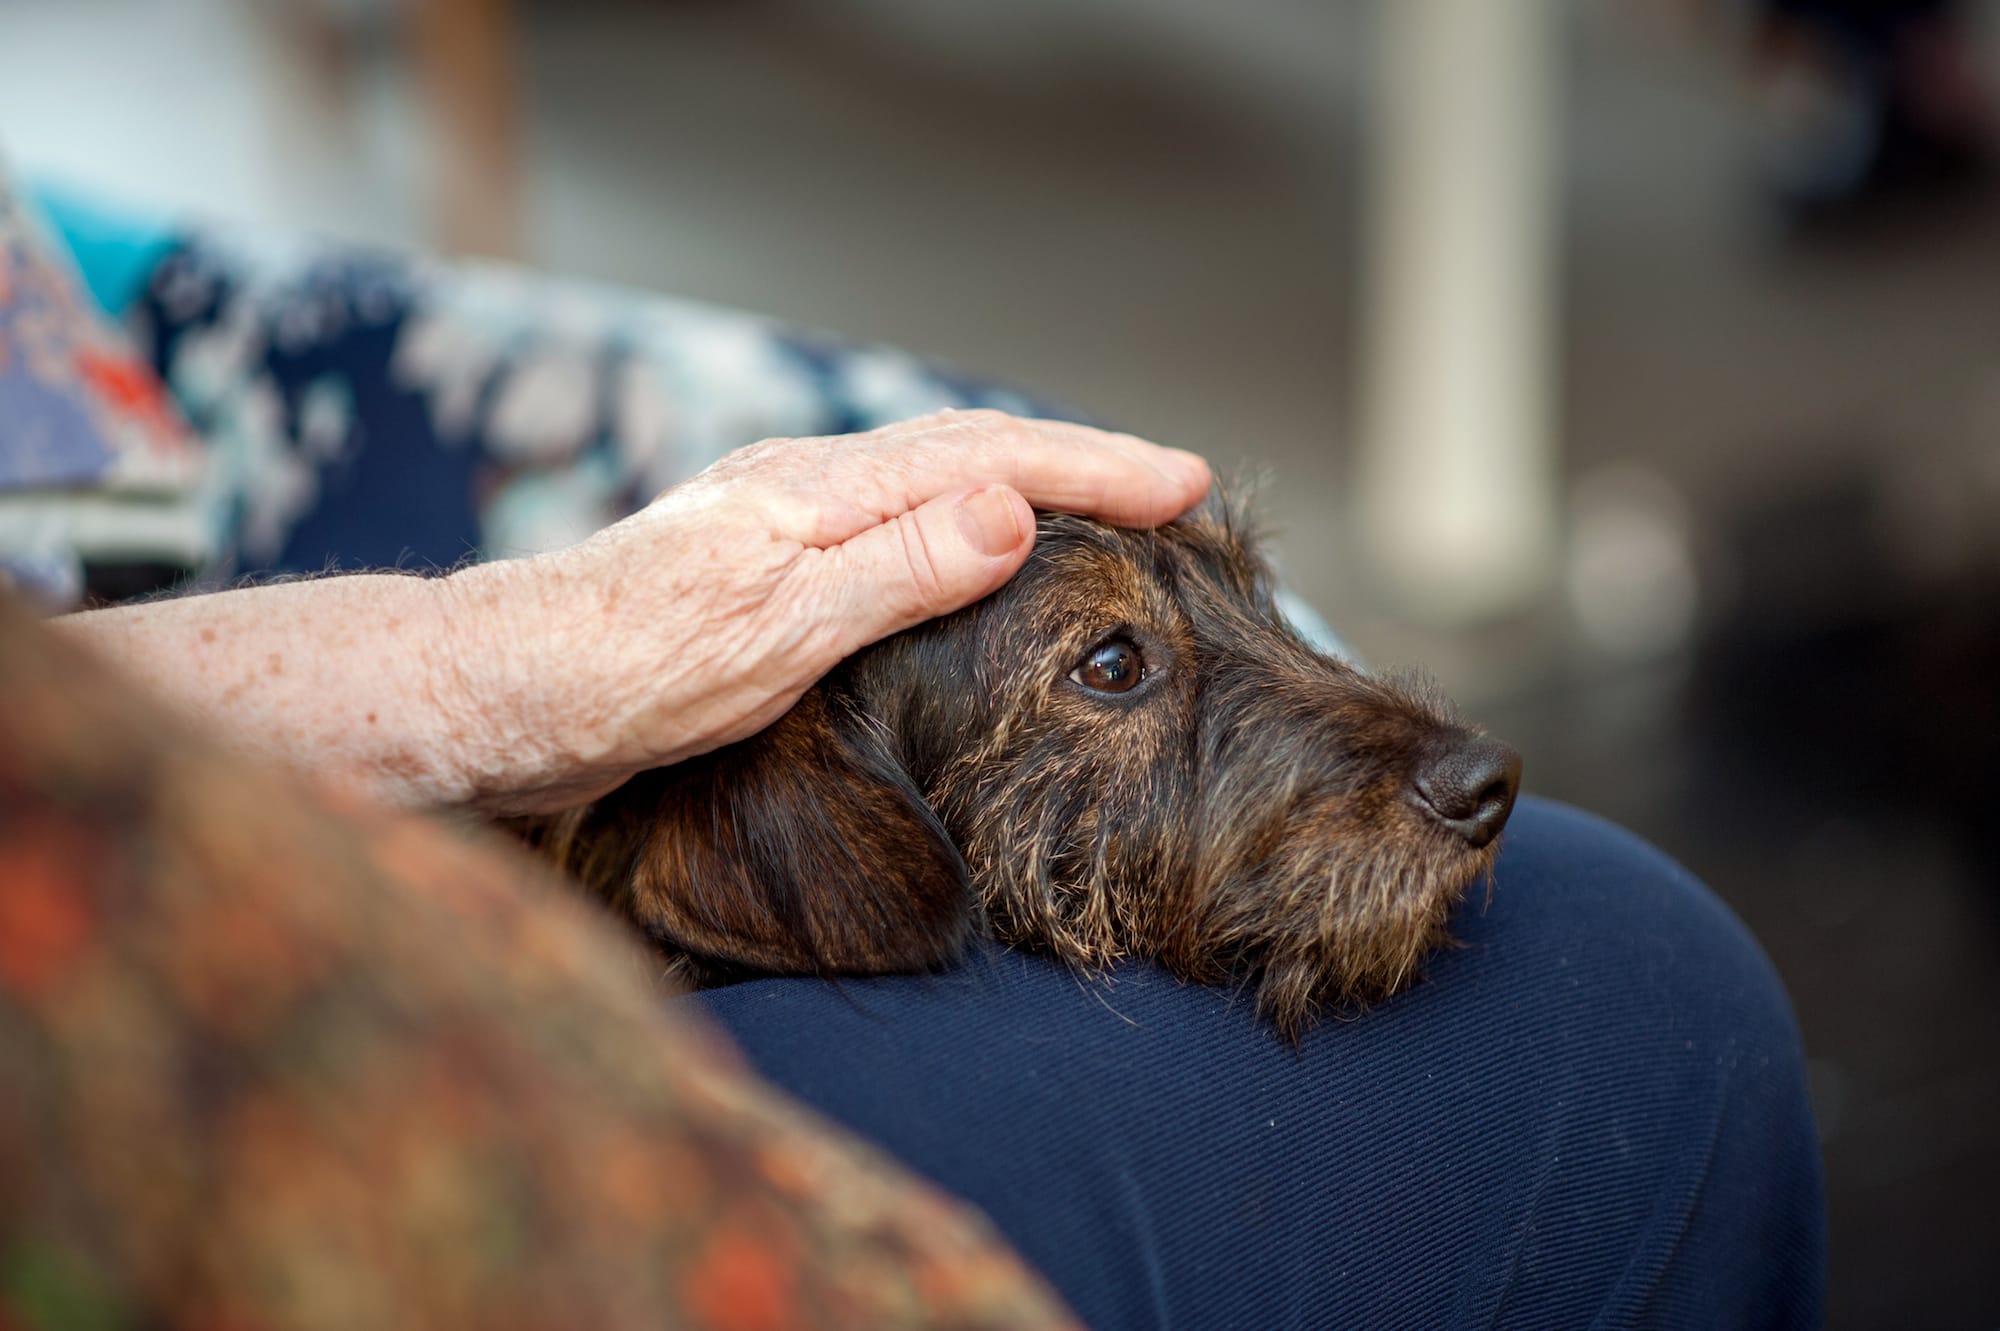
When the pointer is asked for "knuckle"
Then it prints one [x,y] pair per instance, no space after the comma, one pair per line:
[765,452]
[941,419]
[969,420]
[989,420]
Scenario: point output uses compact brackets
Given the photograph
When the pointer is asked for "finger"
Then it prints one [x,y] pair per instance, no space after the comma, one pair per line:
[1053,464]
[938,557]
[1059,465]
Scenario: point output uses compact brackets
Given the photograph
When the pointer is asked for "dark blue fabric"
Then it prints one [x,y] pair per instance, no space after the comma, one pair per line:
[402,498]
[1592,1114]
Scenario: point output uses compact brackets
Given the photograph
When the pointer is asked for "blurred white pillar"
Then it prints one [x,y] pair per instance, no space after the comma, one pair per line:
[1456,483]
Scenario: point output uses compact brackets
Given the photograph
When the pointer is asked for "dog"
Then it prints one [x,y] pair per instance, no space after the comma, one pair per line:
[1126,751]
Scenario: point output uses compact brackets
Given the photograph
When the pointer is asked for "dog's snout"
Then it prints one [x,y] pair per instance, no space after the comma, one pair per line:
[1470,788]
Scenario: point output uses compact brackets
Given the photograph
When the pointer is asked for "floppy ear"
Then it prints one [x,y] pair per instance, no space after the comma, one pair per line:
[805,849]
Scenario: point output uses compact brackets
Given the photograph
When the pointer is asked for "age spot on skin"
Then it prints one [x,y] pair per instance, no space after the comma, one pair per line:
[208,635]
[275,664]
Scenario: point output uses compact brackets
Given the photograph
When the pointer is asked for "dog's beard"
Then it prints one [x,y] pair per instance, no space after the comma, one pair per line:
[1313,913]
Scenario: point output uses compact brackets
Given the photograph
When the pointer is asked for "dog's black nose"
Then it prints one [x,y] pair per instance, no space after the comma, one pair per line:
[1471,787]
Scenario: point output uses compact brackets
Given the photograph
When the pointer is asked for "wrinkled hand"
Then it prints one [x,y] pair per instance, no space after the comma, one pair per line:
[701,619]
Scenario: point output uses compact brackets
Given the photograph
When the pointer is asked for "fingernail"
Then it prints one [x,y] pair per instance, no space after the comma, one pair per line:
[988,520]
[1191,465]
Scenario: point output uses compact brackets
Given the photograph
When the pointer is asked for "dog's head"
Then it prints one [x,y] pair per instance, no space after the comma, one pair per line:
[1125,751]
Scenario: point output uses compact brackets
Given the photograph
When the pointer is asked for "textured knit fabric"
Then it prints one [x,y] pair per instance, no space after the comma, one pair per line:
[1592,1114]
[116,250]
[269,1064]
[93,456]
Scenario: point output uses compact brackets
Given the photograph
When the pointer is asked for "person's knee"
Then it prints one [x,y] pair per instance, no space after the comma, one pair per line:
[1671,1116]
[1626,946]
[1596,1100]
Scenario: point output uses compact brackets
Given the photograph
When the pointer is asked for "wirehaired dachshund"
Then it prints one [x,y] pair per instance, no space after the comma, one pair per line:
[1126,751]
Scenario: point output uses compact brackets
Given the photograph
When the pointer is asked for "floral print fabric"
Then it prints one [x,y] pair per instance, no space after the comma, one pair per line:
[268,1065]
[369,409]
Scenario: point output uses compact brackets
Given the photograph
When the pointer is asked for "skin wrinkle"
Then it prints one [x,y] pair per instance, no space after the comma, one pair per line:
[1241,815]
[924,587]
[725,631]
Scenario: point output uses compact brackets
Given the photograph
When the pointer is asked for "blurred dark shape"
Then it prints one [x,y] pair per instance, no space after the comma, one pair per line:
[109,584]
[1870,101]
[1849,682]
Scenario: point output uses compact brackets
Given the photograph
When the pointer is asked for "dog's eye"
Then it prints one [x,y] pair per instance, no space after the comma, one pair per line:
[1111,667]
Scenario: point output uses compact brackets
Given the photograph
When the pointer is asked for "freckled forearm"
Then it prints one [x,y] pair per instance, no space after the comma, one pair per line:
[355,680]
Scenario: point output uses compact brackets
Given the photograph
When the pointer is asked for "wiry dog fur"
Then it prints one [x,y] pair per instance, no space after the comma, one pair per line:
[1244,813]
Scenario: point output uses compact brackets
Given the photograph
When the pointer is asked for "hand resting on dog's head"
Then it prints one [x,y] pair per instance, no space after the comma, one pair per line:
[1125,751]
[526,686]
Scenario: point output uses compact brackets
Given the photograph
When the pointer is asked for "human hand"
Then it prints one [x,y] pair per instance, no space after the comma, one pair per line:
[702,618]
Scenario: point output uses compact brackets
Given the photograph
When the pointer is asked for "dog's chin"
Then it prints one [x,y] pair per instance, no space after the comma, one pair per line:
[1354,933]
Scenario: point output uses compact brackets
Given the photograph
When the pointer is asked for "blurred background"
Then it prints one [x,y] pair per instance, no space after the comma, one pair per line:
[1632,365]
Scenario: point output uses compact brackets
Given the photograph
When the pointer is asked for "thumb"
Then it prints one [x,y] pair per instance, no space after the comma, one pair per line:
[938,557]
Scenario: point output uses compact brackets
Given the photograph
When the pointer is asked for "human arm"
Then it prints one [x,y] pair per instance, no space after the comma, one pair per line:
[529,685]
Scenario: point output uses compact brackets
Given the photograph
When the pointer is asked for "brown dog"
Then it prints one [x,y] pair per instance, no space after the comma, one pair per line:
[1125,751]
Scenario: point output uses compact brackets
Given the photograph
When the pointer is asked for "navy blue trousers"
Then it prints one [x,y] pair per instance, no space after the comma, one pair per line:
[1591,1114]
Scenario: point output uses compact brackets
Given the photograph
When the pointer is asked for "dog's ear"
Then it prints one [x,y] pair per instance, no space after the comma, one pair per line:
[805,849]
